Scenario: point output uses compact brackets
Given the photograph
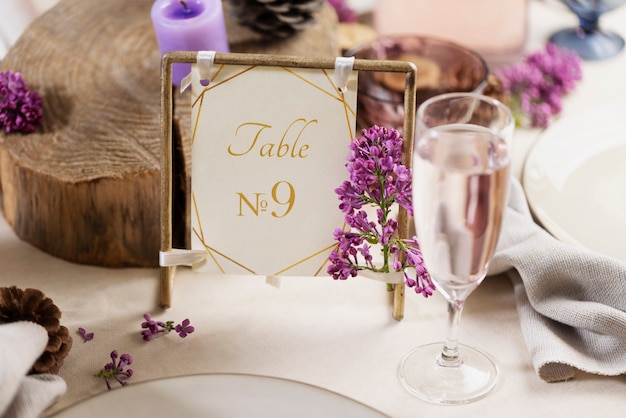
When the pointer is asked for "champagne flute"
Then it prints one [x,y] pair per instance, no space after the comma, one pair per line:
[461,172]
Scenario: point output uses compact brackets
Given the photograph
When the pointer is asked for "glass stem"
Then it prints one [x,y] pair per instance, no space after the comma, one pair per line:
[589,24]
[450,356]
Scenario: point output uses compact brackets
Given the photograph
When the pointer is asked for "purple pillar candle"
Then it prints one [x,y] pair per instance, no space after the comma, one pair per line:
[190,25]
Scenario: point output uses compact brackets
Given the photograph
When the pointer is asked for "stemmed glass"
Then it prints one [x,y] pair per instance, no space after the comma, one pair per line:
[461,172]
[588,39]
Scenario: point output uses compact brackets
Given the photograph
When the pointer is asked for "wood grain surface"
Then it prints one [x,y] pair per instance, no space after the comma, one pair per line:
[85,186]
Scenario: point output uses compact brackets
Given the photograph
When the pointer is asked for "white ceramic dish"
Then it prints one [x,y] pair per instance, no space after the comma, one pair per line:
[575,179]
[220,395]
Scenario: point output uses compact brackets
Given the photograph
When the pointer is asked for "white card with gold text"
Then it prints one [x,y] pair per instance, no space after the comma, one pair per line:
[269,148]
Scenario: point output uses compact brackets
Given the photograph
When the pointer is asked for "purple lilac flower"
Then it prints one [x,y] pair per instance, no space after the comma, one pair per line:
[152,328]
[115,369]
[536,85]
[378,178]
[344,11]
[184,329]
[20,108]
[87,336]
[422,282]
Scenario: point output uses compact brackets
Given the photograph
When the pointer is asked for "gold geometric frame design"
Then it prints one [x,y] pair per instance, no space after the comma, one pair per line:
[167,273]
[318,83]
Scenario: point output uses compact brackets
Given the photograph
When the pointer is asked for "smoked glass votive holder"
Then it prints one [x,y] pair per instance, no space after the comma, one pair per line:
[442,67]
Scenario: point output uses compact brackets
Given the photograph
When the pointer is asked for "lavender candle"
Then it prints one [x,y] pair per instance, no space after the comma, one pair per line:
[190,25]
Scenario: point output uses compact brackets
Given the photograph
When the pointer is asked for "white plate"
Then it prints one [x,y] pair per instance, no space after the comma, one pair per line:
[575,179]
[220,395]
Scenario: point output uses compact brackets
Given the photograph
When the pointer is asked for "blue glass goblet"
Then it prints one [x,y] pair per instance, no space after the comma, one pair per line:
[588,39]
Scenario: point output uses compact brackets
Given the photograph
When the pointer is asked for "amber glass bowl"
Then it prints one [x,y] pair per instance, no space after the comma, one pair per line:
[442,67]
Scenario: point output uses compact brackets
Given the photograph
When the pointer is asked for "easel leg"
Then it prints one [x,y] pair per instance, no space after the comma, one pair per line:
[167,285]
[398,301]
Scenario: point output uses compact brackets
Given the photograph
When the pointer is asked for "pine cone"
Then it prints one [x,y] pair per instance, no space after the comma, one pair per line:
[275,18]
[32,305]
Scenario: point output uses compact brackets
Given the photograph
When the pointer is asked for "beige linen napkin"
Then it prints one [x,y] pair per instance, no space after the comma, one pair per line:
[571,301]
[22,396]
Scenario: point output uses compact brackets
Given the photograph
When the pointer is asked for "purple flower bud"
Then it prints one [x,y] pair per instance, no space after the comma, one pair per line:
[111,371]
[125,359]
[87,336]
[344,12]
[20,108]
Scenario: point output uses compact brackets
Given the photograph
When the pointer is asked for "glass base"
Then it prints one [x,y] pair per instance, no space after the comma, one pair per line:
[421,374]
[589,46]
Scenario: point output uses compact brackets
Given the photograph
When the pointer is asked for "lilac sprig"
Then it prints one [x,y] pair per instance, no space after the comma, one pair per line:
[117,369]
[535,86]
[377,178]
[345,13]
[20,108]
[152,328]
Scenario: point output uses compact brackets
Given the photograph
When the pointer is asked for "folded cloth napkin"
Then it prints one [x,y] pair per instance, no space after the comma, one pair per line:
[571,301]
[22,395]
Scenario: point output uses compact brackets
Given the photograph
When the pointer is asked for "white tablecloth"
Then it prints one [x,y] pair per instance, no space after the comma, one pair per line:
[337,335]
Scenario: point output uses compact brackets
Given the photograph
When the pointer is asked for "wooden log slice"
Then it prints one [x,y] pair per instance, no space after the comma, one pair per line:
[85,186]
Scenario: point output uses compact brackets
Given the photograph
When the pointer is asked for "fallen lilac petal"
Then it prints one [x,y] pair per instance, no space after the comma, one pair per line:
[87,336]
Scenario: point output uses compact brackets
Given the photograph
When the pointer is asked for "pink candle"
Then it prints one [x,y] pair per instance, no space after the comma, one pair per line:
[190,25]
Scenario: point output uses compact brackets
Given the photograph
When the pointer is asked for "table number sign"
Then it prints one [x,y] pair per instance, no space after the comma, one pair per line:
[269,146]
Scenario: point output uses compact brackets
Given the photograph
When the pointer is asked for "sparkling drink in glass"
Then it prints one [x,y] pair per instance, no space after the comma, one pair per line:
[461,172]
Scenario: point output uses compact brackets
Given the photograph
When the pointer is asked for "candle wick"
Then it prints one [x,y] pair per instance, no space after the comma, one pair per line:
[185,7]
